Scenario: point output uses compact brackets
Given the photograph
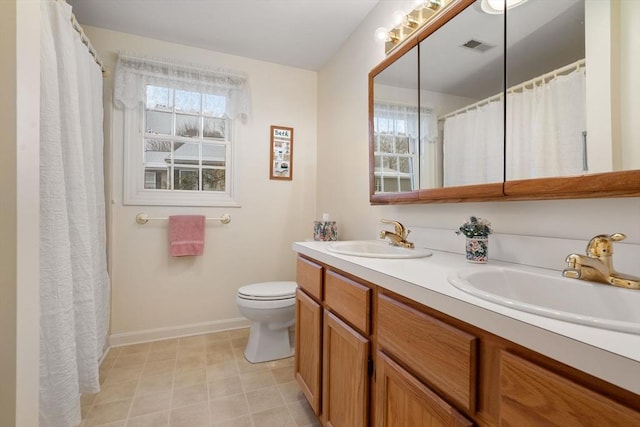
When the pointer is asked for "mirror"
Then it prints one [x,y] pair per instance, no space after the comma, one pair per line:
[557,61]
[595,150]
[395,126]
[281,153]
[461,99]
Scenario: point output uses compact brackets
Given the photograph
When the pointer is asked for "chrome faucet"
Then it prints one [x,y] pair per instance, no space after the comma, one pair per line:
[399,238]
[597,264]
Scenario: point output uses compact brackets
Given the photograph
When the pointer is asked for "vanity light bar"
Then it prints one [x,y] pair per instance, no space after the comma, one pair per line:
[411,22]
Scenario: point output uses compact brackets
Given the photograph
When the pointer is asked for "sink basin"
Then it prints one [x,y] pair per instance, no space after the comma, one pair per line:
[551,295]
[375,249]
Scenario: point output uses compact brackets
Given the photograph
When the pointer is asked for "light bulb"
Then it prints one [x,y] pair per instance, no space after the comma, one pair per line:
[382,34]
[498,6]
[397,17]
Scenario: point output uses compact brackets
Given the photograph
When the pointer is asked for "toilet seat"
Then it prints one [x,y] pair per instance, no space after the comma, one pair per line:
[268,291]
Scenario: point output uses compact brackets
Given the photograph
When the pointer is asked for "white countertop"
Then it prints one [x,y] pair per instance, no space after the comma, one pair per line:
[609,355]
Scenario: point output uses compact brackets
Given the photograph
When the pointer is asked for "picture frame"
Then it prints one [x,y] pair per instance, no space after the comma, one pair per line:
[281,153]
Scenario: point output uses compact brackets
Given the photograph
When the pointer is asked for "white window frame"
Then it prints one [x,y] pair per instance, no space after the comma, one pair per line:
[134,171]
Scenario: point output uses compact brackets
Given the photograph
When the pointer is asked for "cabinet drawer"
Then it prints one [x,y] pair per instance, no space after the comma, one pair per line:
[309,277]
[533,395]
[349,299]
[440,355]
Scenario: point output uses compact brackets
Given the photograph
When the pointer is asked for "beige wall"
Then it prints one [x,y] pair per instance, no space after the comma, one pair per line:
[154,295]
[343,179]
[19,186]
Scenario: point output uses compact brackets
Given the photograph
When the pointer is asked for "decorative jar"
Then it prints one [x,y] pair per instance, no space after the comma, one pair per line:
[325,230]
[477,249]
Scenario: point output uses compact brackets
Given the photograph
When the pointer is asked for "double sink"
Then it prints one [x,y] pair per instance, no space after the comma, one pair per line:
[542,292]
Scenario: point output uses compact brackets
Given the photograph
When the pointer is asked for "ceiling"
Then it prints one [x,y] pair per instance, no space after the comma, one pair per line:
[297,33]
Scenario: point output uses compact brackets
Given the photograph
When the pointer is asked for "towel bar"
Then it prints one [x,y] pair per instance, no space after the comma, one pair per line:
[143,218]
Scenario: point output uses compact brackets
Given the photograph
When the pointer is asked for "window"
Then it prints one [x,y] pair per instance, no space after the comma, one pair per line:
[186,142]
[178,132]
[395,153]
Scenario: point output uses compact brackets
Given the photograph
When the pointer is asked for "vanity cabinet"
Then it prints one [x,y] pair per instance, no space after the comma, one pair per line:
[333,344]
[430,368]
[462,375]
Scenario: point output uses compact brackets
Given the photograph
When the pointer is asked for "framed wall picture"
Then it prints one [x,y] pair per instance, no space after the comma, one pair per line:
[281,153]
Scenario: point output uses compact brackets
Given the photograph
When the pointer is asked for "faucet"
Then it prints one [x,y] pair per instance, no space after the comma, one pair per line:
[597,264]
[399,238]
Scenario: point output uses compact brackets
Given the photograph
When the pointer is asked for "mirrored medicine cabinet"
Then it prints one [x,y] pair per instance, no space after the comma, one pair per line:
[538,102]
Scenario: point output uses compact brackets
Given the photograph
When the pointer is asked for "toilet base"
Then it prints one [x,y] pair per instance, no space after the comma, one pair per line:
[266,344]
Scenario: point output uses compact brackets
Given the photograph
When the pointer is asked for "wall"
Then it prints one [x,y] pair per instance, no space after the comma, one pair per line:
[154,295]
[19,232]
[343,166]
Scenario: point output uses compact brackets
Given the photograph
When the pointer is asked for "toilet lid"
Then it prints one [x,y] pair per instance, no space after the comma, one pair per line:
[268,291]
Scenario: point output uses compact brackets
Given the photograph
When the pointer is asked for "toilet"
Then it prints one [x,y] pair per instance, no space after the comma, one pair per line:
[271,308]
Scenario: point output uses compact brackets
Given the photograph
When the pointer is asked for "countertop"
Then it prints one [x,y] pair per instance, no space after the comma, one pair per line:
[610,355]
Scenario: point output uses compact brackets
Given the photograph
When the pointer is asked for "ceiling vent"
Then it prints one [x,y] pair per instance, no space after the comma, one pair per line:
[478,46]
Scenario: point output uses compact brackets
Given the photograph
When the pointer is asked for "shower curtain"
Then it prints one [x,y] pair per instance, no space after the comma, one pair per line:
[545,128]
[74,285]
[473,144]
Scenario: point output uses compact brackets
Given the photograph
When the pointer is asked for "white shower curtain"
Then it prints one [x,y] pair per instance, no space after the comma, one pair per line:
[473,146]
[74,286]
[545,128]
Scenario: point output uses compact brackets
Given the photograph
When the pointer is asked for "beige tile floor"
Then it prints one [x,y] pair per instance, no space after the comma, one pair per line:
[195,381]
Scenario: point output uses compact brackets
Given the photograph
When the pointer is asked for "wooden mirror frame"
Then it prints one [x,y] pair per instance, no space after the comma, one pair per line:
[597,185]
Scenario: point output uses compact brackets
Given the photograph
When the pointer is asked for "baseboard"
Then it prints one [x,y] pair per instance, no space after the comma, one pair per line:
[148,335]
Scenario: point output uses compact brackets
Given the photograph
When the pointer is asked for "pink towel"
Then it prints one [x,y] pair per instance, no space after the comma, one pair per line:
[186,235]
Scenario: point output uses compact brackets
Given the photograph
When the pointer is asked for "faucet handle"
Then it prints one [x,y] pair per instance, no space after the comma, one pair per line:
[602,244]
[399,228]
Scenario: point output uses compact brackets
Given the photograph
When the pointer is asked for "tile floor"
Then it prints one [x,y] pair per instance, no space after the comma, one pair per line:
[195,381]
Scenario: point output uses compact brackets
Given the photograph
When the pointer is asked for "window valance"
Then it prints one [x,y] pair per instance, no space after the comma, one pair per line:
[133,73]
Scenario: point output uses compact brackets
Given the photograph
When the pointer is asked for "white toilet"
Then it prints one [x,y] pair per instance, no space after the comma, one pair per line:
[271,308]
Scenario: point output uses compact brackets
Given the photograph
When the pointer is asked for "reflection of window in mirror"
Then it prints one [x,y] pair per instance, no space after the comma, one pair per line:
[395,126]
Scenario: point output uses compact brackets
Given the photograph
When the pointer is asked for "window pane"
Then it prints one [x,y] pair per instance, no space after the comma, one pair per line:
[215,128]
[386,144]
[156,179]
[185,179]
[214,155]
[158,122]
[214,105]
[186,154]
[188,102]
[404,164]
[402,145]
[157,154]
[159,98]
[391,163]
[213,179]
[187,125]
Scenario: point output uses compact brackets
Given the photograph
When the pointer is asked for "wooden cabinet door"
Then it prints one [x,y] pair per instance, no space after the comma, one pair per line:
[345,374]
[531,395]
[308,358]
[403,401]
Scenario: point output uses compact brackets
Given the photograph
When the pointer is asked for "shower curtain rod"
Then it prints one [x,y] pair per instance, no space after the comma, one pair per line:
[85,40]
[519,87]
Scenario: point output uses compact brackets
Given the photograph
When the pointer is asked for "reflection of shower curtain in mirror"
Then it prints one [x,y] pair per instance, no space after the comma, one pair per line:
[473,144]
[545,128]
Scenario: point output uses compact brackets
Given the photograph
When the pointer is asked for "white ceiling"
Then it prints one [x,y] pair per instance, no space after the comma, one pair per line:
[297,33]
